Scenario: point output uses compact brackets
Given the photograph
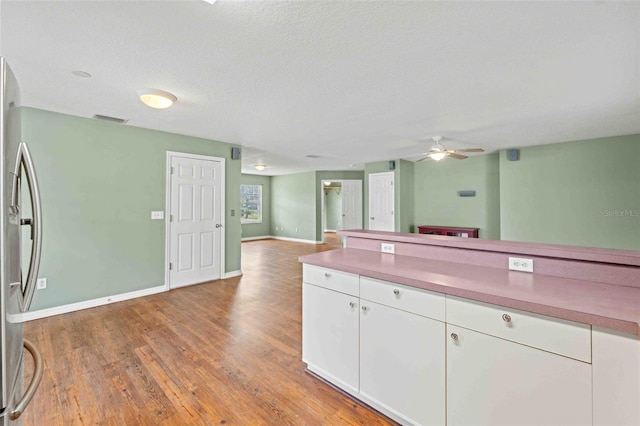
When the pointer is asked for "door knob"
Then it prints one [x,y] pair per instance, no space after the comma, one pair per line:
[371,218]
[218,225]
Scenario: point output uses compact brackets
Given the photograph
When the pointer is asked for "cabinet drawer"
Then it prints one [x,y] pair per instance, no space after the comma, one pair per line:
[344,282]
[567,338]
[410,299]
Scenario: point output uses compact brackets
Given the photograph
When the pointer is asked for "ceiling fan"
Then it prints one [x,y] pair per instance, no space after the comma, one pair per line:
[438,152]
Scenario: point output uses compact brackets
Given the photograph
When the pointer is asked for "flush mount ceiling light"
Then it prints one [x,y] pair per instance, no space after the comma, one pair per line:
[156,98]
[260,167]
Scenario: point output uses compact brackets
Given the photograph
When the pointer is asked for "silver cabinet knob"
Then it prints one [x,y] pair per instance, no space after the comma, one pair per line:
[352,304]
[506,317]
[396,292]
[454,336]
[327,275]
[364,309]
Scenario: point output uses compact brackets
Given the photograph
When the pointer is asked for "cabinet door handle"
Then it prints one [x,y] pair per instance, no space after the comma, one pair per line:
[454,336]
[396,292]
[364,309]
[327,275]
[506,317]
[352,304]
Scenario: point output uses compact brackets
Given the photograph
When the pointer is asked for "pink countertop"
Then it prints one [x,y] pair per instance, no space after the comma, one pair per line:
[591,254]
[611,306]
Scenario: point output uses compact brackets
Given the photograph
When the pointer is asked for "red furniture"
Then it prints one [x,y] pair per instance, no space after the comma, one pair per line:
[448,231]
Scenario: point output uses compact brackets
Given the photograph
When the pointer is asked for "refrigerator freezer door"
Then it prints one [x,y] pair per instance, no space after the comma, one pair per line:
[25,173]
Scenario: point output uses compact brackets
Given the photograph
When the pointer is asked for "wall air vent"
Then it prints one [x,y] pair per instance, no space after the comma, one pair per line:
[111,119]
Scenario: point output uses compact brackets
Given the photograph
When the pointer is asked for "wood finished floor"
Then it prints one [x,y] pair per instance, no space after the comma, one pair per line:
[224,352]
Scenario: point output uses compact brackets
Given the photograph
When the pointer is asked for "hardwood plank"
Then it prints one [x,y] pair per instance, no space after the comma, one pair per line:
[223,352]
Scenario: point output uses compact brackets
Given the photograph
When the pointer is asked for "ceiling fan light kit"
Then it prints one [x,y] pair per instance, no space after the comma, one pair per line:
[438,152]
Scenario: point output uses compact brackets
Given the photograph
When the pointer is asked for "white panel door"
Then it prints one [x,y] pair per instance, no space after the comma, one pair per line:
[195,221]
[381,202]
[351,204]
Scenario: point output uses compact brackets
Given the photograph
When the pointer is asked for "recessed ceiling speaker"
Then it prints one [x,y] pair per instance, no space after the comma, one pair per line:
[392,165]
[513,154]
[235,153]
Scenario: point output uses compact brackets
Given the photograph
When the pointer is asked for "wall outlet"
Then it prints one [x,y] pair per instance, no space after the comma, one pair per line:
[41,283]
[157,215]
[520,264]
[388,248]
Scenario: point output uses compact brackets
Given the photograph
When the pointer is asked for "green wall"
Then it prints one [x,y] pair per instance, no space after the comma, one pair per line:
[583,193]
[436,194]
[99,182]
[293,206]
[333,208]
[263,229]
[404,195]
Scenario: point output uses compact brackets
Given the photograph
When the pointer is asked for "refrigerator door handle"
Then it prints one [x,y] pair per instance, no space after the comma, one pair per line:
[24,158]
[35,381]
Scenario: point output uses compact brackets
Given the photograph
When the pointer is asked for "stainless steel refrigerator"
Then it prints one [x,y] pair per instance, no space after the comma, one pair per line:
[20,246]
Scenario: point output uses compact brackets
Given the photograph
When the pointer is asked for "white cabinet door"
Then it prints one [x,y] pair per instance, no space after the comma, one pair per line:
[491,381]
[330,335]
[402,363]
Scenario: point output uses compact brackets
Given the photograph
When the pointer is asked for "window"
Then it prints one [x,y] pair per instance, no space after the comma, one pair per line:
[250,203]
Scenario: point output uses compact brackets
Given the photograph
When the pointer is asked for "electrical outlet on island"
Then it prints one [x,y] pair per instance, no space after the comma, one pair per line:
[388,248]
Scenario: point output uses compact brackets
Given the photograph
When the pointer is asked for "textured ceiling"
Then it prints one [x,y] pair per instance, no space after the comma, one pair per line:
[353,82]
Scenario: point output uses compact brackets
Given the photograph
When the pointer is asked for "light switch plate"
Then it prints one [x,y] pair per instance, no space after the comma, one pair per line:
[156,215]
[520,264]
[388,248]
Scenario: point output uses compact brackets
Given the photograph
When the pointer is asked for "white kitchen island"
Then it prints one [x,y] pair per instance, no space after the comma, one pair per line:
[430,335]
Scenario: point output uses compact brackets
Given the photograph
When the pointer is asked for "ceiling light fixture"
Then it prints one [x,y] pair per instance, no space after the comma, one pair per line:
[437,156]
[156,98]
[260,167]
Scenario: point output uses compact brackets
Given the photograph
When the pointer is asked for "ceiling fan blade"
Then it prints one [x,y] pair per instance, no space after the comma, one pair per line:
[469,150]
[456,156]
[422,159]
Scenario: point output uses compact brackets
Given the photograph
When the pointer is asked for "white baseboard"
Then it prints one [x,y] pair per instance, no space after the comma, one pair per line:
[264,237]
[232,274]
[296,240]
[274,237]
[78,306]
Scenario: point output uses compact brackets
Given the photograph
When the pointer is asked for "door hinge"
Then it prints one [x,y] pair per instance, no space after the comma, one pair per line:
[170,218]
[170,266]
[172,170]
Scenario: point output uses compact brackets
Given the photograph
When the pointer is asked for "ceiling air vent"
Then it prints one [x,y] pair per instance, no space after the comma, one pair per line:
[111,119]
[313,156]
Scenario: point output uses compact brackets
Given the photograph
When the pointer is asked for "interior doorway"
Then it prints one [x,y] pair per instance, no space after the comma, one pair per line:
[195,223]
[381,202]
[341,205]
